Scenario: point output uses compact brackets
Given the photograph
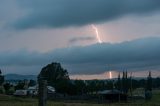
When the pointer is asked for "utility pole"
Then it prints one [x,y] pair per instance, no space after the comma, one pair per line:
[131,86]
[119,87]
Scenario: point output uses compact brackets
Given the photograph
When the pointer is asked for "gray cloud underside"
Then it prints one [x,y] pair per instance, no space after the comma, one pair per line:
[140,54]
[77,39]
[62,13]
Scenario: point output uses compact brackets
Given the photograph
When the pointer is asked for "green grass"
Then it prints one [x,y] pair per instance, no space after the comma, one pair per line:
[17,101]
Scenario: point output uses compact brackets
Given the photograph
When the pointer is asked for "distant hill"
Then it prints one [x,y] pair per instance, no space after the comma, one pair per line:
[20,77]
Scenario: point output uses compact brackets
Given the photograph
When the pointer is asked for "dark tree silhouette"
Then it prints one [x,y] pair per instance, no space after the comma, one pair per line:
[32,83]
[7,86]
[125,84]
[1,78]
[56,76]
[119,82]
[20,85]
[149,82]
[54,72]
[80,86]
[148,89]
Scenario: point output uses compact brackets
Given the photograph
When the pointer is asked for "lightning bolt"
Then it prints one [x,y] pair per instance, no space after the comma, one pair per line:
[97,34]
[110,75]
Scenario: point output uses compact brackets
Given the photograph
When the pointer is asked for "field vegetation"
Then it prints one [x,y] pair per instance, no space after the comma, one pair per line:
[6,100]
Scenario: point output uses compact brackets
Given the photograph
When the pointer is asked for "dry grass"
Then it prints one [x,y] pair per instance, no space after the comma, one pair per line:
[16,101]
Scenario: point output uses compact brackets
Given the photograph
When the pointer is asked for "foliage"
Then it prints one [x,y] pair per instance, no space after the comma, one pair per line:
[10,92]
[80,87]
[17,101]
[1,78]
[56,76]
[148,89]
[9,89]
[20,85]
[125,82]
[59,78]
[65,87]
[53,73]
[7,86]
[2,91]
[156,82]
[32,83]
[119,82]
[149,82]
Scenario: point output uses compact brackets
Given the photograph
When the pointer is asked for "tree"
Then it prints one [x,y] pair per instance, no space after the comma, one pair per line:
[1,78]
[54,72]
[148,89]
[123,82]
[7,86]
[80,86]
[127,82]
[149,82]
[119,82]
[56,76]
[125,85]
[65,87]
[20,85]
[32,83]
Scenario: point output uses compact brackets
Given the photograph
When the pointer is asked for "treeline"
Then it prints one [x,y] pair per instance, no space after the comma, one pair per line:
[58,77]
[9,88]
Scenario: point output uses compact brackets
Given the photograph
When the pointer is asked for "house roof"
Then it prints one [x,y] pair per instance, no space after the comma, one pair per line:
[50,88]
[114,91]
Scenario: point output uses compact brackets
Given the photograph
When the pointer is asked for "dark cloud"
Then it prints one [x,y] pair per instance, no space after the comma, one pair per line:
[61,13]
[140,54]
[23,58]
[77,39]
[133,55]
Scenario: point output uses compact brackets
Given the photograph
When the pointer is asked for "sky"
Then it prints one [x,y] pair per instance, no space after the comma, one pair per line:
[36,33]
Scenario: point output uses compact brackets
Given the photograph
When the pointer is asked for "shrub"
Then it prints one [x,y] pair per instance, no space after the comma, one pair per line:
[2,90]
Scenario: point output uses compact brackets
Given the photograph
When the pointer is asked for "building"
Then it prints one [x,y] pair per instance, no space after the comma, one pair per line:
[112,95]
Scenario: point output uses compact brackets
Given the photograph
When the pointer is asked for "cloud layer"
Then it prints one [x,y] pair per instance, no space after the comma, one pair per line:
[137,55]
[77,39]
[61,13]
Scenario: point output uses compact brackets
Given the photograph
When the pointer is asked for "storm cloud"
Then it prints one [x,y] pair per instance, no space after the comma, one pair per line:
[62,13]
[135,55]
[77,39]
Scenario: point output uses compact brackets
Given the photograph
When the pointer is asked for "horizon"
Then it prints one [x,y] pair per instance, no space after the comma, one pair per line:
[105,75]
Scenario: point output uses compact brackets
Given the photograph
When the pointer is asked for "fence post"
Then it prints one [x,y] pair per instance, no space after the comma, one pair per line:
[42,91]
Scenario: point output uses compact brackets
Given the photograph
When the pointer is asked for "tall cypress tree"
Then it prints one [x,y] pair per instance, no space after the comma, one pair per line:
[148,89]
[119,82]
[149,82]
[126,82]
[123,82]
[130,84]
[125,85]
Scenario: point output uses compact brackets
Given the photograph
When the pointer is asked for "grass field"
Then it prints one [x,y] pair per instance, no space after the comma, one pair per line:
[17,101]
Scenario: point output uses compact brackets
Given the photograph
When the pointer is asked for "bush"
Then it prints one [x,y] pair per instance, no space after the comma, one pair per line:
[2,90]
[11,91]
[148,95]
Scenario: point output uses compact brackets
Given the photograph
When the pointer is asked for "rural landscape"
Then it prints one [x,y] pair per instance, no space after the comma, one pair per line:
[80,53]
